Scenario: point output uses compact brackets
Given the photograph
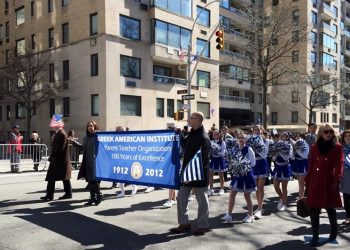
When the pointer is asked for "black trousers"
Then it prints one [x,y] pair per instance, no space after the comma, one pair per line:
[315,220]
[347,204]
[94,188]
[50,190]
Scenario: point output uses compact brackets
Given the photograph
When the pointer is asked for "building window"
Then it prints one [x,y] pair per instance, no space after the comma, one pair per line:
[130,27]
[335,28]
[171,35]
[8,112]
[65,2]
[295,36]
[1,32]
[51,72]
[203,16]
[313,57]
[203,79]
[295,16]
[204,107]
[274,79]
[180,7]
[334,118]
[260,98]
[49,6]
[313,17]
[313,37]
[202,44]
[295,96]
[313,116]
[52,107]
[6,4]
[259,117]
[20,15]
[130,105]
[51,38]
[94,105]
[33,41]
[0,113]
[328,41]
[7,29]
[295,116]
[160,107]
[32,5]
[130,66]
[274,2]
[274,118]
[295,56]
[94,65]
[93,24]
[161,71]
[20,47]
[21,111]
[65,33]
[7,56]
[327,60]
[66,106]
[170,107]
[65,70]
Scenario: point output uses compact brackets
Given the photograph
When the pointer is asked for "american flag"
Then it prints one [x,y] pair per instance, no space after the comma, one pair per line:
[181,54]
[194,169]
[195,57]
[56,121]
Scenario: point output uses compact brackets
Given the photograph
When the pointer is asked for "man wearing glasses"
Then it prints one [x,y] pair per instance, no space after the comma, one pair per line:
[197,139]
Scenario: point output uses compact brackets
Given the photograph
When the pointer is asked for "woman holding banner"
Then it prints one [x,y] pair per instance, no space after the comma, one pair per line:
[88,165]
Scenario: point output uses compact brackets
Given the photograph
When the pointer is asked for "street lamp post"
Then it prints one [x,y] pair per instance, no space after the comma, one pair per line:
[189,52]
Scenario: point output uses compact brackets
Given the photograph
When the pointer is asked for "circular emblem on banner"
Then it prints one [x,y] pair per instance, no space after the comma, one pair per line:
[136,170]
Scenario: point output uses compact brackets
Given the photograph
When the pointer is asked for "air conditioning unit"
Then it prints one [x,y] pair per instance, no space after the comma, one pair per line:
[93,41]
[203,32]
[143,6]
[131,84]
[240,82]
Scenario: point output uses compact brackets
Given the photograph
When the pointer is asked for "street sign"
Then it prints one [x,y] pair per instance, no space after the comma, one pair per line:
[188,97]
[182,91]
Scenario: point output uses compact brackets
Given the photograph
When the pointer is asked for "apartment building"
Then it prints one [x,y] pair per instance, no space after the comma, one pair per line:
[240,99]
[318,56]
[121,62]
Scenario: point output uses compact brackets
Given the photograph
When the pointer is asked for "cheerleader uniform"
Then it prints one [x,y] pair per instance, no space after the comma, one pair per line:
[261,168]
[283,170]
[217,154]
[300,162]
[245,183]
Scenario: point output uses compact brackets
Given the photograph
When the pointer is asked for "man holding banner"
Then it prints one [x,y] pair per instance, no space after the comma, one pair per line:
[194,176]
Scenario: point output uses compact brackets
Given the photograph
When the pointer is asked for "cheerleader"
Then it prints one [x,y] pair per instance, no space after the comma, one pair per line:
[261,169]
[217,165]
[283,152]
[241,161]
[299,166]
[345,184]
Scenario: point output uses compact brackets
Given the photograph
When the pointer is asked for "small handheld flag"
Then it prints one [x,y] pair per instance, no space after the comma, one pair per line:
[194,169]
[347,160]
[56,121]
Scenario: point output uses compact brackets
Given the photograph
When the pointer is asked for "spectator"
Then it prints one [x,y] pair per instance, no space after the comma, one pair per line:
[74,149]
[60,167]
[310,138]
[15,139]
[345,187]
[197,139]
[35,150]
[322,180]
[88,165]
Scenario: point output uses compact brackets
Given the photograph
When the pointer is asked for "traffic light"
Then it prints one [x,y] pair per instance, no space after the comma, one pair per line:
[219,39]
[178,115]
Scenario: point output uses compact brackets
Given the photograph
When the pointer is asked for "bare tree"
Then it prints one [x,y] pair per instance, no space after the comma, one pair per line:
[26,80]
[273,35]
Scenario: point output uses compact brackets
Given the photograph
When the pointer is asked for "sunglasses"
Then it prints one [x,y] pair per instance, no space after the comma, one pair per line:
[328,132]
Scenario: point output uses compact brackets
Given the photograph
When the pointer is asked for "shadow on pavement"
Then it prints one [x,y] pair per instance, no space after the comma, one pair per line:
[143,206]
[292,244]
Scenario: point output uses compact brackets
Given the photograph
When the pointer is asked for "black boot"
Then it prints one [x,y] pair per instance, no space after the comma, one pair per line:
[92,195]
[47,198]
[332,215]
[315,224]
[99,199]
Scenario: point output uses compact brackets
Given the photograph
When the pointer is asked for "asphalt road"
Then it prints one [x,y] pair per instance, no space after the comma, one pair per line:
[140,222]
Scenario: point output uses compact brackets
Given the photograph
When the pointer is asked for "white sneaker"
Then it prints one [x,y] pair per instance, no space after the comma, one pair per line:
[121,195]
[258,214]
[280,204]
[134,191]
[191,197]
[174,202]
[248,219]
[227,218]
[149,189]
[282,208]
[168,204]
[221,192]
[211,192]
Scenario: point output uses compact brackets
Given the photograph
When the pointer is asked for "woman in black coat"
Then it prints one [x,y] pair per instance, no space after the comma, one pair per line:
[60,167]
[88,165]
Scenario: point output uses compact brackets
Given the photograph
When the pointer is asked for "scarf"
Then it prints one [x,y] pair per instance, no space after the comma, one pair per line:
[324,146]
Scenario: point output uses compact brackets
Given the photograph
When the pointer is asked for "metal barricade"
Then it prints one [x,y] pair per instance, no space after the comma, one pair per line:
[75,156]
[32,155]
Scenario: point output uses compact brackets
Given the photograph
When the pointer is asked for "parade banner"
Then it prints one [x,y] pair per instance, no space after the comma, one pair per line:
[149,158]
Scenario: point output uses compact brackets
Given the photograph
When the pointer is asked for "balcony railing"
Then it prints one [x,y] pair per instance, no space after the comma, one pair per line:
[235,98]
[347,33]
[331,9]
[159,79]
[234,54]
[239,12]
[327,26]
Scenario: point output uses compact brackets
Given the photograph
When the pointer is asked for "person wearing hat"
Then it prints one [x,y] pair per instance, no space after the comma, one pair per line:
[15,150]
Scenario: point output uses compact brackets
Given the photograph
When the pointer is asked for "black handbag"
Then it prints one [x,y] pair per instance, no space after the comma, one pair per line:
[302,208]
